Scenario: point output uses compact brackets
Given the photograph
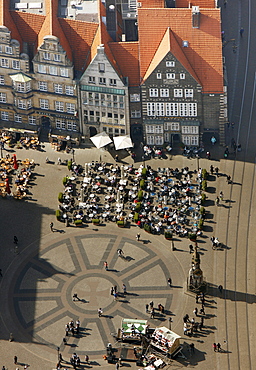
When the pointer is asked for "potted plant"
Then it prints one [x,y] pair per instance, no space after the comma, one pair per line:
[148,228]
[192,237]
[168,235]
[204,174]
[203,198]
[138,206]
[65,180]
[136,217]
[78,222]
[120,223]
[202,210]
[144,173]
[95,221]
[69,164]
[204,185]
[200,224]
[58,214]
[60,197]
[142,183]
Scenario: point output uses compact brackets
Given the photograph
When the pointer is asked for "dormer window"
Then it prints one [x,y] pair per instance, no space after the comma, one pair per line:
[57,57]
[159,76]
[182,76]
[8,50]
[47,56]
[101,67]
[170,63]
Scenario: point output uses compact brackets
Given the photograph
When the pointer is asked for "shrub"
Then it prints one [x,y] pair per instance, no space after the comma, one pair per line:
[95,221]
[168,235]
[120,223]
[60,197]
[142,184]
[202,210]
[136,217]
[204,185]
[140,195]
[147,228]
[200,224]
[65,180]
[203,198]
[192,236]
[58,214]
[204,174]
[69,165]
[138,207]
[144,173]
[78,222]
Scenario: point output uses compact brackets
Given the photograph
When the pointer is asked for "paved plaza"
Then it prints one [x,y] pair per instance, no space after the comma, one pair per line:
[38,283]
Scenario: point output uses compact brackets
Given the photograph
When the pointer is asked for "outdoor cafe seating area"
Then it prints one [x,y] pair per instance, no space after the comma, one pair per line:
[158,201]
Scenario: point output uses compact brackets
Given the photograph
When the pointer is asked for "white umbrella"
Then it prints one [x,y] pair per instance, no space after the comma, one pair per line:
[122,142]
[101,139]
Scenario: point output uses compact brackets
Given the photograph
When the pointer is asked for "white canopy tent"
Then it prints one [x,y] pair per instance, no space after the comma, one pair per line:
[122,142]
[101,139]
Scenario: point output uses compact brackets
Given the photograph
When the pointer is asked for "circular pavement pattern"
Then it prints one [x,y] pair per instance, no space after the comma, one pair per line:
[45,282]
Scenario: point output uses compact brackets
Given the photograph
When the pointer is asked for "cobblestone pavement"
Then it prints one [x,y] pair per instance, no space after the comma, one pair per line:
[38,283]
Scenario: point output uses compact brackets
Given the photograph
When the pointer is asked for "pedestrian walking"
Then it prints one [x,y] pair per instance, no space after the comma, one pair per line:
[169,281]
[124,289]
[208,155]
[195,312]
[220,287]
[217,201]
[15,360]
[147,306]
[202,312]
[151,304]
[191,248]
[15,240]
[214,347]
[112,291]
[106,265]
[221,195]
[115,289]
[192,348]
[86,359]
[117,366]
[241,31]
[138,237]
[232,125]
[152,313]
[115,296]
[75,297]
[217,171]
[225,3]
[197,298]
[51,226]
[64,341]
[1,274]
[218,347]
[100,312]
[211,169]
[228,179]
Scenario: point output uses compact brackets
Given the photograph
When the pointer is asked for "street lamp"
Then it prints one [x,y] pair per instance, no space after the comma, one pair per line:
[58,352]
[197,159]
[170,323]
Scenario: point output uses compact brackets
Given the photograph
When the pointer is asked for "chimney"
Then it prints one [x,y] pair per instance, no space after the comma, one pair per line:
[195,17]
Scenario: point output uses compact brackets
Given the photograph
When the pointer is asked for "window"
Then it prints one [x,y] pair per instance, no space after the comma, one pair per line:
[172,109]
[134,97]
[20,86]
[135,114]
[150,109]
[166,137]
[190,140]
[8,50]
[60,124]
[4,116]
[116,131]
[91,80]
[64,72]
[4,63]
[69,90]
[29,103]
[22,104]
[17,118]
[2,97]
[112,81]
[183,109]
[47,56]
[44,103]
[159,76]
[159,129]
[101,67]
[188,93]
[41,68]
[150,140]
[150,129]
[32,120]
[59,106]
[175,126]
[1,80]
[182,76]
[70,108]
[56,57]
[53,70]
[16,64]
[178,93]
[160,109]
[164,93]
[109,102]
[102,80]
[42,86]
[159,140]
[170,63]
[192,109]
[153,93]
[170,76]
[122,132]
[58,88]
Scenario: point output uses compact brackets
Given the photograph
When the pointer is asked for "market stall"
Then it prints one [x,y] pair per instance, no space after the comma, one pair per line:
[166,341]
[23,138]
[132,329]
[64,143]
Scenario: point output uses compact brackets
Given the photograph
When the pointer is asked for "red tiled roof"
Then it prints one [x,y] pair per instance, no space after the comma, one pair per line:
[80,35]
[6,20]
[152,3]
[126,55]
[170,44]
[207,65]
[201,3]
[52,27]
